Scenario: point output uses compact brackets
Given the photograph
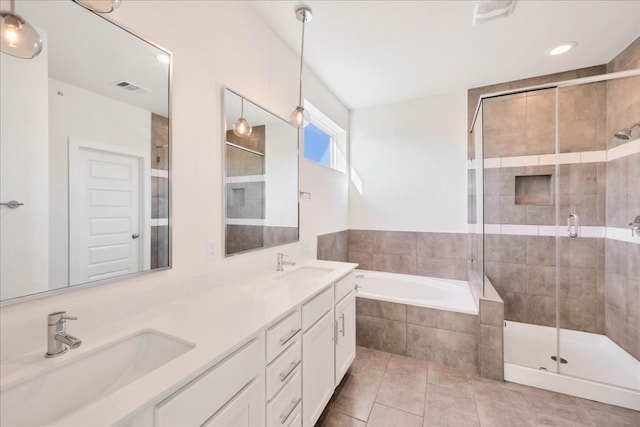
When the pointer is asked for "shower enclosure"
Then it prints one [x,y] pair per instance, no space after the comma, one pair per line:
[556,170]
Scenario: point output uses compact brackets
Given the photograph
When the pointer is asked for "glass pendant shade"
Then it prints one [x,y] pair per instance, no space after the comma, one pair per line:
[299,117]
[100,6]
[242,127]
[18,38]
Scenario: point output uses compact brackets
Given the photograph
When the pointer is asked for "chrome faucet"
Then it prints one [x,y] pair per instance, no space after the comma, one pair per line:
[58,341]
[282,262]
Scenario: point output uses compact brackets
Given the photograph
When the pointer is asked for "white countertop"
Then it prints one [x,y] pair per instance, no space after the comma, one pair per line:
[216,321]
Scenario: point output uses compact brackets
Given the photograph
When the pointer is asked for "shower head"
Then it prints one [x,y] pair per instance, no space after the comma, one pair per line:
[625,134]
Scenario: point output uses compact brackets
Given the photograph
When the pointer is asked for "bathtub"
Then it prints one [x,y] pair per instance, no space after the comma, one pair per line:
[423,317]
[421,291]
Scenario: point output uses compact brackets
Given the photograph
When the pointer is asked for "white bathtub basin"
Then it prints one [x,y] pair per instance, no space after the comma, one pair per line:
[69,387]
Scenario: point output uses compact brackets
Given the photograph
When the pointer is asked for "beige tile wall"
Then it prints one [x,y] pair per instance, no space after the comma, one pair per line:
[425,254]
[622,260]
[445,337]
[334,246]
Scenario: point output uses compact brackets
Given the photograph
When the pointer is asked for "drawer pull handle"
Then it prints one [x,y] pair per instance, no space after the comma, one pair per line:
[287,413]
[284,340]
[342,331]
[292,367]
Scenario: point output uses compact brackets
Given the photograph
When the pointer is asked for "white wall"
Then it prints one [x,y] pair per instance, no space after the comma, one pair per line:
[281,171]
[24,174]
[411,159]
[215,43]
[80,114]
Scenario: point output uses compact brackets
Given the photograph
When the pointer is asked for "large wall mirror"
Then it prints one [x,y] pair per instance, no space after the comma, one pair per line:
[84,149]
[261,177]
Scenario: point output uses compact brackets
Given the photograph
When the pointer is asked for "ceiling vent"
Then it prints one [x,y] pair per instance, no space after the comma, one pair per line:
[131,87]
[489,10]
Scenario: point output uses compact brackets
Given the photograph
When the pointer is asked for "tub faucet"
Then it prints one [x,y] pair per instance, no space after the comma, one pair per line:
[282,262]
[58,341]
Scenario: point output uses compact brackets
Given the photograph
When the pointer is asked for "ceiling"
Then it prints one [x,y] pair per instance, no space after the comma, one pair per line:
[89,52]
[378,52]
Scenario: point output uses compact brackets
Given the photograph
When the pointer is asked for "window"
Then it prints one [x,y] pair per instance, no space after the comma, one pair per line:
[317,145]
[324,142]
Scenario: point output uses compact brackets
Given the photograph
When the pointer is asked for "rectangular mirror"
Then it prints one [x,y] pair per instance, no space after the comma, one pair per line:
[84,149]
[261,177]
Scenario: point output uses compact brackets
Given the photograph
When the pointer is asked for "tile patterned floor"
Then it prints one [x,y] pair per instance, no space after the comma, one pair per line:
[386,390]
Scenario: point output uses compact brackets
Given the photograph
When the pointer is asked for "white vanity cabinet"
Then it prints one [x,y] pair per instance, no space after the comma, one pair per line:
[345,313]
[284,376]
[317,355]
[230,393]
[345,325]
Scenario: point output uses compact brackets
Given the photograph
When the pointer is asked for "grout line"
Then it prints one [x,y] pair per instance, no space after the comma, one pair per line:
[572,157]
[398,409]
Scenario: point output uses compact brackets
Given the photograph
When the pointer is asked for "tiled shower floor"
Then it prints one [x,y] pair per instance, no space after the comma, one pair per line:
[384,389]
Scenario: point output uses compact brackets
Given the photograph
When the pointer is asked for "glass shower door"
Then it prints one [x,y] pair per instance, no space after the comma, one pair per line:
[597,186]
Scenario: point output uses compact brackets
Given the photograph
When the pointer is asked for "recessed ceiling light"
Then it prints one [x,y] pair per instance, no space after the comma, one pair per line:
[563,48]
[163,57]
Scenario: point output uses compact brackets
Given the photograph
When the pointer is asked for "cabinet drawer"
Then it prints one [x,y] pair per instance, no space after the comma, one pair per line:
[345,285]
[316,308]
[286,405]
[283,334]
[283,368]
[198,400]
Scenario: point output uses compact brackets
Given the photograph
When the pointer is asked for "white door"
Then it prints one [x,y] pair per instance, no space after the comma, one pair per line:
[317,369]
[24,176]
[345,335]
[104,214]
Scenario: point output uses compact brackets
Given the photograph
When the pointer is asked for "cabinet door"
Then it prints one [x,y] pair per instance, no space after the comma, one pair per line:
[317,369]
[244,410]
[345,335]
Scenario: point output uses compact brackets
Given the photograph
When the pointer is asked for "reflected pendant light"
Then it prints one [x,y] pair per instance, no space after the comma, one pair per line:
[100,6]
[18,37]
[299,116]
[242,127]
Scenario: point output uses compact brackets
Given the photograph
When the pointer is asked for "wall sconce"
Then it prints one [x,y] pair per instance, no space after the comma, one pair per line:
[18,38]
[299,116]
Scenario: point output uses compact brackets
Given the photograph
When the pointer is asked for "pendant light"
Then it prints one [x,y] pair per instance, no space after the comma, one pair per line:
[18,38]
[299,116]
[242,127]
[100,6]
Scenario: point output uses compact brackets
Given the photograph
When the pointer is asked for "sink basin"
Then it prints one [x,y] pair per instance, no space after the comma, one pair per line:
[304,273]
[69,387]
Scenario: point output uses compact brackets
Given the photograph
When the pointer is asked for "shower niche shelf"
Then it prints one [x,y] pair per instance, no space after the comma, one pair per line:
[536,190]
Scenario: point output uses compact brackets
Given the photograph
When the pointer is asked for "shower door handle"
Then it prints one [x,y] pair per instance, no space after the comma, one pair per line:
[572,225]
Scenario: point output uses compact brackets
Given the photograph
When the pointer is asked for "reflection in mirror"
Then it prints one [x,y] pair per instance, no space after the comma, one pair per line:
[84,145]
[261,178]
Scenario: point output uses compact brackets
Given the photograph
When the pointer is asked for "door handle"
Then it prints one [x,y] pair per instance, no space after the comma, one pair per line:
[12,204]
[572,225]
[135,235]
